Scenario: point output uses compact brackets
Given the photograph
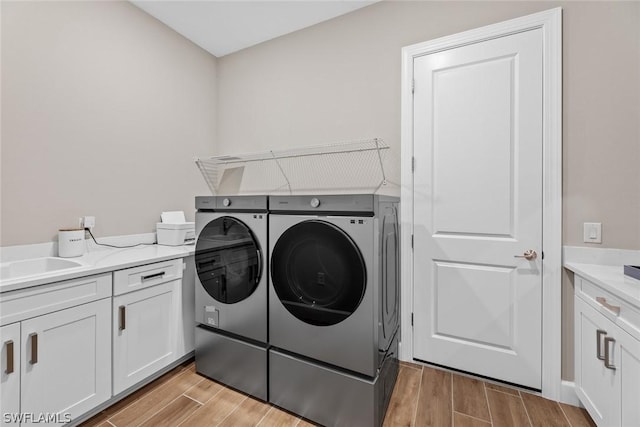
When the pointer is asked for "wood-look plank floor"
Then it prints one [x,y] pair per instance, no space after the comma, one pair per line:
[423,396]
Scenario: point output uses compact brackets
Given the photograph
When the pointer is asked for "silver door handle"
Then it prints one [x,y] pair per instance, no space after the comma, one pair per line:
[9,345]
[122,317]
[34,348]
[529,255]
[152,276]
[607,363]
[599,334]
[614,308]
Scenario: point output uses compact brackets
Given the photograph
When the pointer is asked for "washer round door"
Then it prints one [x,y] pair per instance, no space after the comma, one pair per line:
[228,260]
[318,273]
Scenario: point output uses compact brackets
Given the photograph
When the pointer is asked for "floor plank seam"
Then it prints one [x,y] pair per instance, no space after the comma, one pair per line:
[214,394]
[415,411]
[486,399]
[452,407]
[233,410]
[158,411]
[265,415]
[526,411]
[564,413]
[189,397]
[471,416]
[503,392]
[166,384]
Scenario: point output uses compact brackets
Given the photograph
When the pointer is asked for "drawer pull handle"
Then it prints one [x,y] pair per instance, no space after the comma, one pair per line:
[9,345]
[607,362]
[599,334]
[34,348]
[152,276]
[122,318]
[614,308]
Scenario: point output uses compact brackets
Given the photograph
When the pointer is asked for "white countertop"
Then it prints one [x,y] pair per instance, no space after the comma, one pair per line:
[611,278]
[102,260]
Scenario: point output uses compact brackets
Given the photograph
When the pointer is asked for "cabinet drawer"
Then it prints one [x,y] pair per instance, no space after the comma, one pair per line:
[132,279]
[31,302]
[622,313]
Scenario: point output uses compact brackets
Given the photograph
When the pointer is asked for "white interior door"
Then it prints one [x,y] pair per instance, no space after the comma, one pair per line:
[477,198]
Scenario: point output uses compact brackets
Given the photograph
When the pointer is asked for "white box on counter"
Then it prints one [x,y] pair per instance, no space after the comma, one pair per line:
[176,234]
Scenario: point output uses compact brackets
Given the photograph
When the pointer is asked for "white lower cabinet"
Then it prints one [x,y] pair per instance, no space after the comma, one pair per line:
[607,367]
[56,352]
[69,346]
[65,369]
[145,331]
[10,375]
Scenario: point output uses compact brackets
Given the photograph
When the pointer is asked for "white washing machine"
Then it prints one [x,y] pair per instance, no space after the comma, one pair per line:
[231,291]
[333,306]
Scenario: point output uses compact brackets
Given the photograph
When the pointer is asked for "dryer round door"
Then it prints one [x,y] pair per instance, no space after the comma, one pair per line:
[228,260]
[318,272]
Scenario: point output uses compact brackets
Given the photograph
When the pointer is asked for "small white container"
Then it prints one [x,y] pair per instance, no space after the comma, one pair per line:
[71,242]
[176,234]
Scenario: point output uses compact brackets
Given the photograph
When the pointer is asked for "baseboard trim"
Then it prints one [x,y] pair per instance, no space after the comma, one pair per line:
[568,394]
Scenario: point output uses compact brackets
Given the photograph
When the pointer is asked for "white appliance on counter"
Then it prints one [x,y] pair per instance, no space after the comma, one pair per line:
[174,230]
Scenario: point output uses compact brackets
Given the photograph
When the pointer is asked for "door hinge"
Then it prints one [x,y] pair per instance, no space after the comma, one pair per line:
[413,164]
[542,255]
[411,319]
[413,85]
[412,241]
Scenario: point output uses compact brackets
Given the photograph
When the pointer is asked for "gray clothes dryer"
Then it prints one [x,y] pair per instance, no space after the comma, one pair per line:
[231,291]
[334,278]
[333,306]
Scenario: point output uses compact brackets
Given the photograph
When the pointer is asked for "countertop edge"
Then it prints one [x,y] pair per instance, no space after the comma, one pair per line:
[610,278]
[175,252]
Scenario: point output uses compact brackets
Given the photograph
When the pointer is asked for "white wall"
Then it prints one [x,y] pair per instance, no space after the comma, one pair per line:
[103,110]
[340,80]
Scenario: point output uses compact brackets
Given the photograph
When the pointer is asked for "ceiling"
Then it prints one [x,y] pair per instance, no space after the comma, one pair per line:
[223,27]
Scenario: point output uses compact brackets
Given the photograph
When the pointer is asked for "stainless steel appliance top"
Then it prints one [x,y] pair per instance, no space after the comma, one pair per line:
[345,203]
[233,203]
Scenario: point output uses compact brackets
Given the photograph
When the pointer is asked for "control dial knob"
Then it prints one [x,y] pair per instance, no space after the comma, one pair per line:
[315,202]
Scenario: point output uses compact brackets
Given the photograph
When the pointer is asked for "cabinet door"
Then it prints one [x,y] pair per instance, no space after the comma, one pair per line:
[66,367]
[144,333]
[597,386]
[628,363]
[10,372]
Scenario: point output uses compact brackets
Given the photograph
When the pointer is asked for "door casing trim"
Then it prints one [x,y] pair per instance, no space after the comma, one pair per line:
[550,21]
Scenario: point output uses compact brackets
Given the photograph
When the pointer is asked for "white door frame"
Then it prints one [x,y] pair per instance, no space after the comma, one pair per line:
[550,22]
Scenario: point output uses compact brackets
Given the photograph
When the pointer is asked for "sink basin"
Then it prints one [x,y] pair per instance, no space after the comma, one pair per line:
[35,266]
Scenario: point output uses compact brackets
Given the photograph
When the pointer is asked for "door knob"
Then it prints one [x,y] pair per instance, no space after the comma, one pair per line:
[528,255]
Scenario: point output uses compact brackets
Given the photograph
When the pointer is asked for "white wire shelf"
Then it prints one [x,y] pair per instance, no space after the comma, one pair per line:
[347,167]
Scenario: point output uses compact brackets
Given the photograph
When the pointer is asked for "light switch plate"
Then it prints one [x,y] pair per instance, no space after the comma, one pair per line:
[592,232]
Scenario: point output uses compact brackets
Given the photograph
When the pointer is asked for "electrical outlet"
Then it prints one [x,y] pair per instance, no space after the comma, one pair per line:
[592,232]
[88,222]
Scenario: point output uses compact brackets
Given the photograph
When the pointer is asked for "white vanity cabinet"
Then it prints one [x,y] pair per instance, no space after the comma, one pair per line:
[146,321]
[57,338]
[607,355]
